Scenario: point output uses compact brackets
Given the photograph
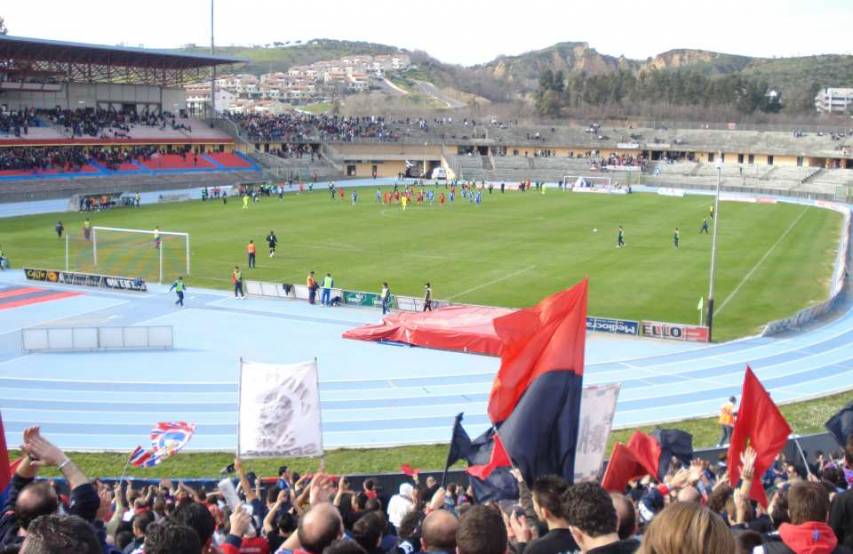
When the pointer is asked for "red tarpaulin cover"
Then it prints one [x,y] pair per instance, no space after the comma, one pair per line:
[461,328]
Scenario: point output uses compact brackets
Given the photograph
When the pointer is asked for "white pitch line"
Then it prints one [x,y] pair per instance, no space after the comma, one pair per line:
[492,282]
[761,261]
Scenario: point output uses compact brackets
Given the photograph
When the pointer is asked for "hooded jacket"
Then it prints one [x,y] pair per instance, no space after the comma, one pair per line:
[812,537]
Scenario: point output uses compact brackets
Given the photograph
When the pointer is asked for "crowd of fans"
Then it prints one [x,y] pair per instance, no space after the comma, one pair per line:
[109,123]
[67,158]
[17,123]
[694,509]
[73,158]
[834,135]
[303,127]
[89,122]
[294,151]
[300,127]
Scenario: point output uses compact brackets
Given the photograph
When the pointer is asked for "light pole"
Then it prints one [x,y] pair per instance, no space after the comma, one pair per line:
[213,72]
[710,317]
[425,160]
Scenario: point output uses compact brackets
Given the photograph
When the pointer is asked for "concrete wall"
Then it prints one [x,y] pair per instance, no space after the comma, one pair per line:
[416,151]
[83,95]
[17,99]
[383,169]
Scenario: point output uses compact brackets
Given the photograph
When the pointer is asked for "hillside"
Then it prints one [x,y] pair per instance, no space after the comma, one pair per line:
[703,61]
[523,71]
[517,77]
[281,57]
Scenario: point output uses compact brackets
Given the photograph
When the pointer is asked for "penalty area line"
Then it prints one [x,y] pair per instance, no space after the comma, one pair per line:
[761,261]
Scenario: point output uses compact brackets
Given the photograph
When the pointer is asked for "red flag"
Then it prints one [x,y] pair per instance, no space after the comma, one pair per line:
[547,337]
[760,423]
[499,458]
[406,469]
[622,468]
[646,451]
[5,470]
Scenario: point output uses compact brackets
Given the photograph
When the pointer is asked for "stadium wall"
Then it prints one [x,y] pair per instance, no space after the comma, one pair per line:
[838,288]
[82,95]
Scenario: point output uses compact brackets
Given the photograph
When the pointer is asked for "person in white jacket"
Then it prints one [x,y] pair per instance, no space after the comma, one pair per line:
[401,504]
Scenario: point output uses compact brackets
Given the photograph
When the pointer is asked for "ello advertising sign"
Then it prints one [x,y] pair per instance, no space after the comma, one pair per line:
[674,331]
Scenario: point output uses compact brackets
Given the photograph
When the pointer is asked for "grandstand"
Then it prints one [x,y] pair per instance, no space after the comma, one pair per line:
[90,118]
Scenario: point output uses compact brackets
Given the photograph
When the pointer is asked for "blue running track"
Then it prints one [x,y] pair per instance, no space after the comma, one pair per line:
[371,394]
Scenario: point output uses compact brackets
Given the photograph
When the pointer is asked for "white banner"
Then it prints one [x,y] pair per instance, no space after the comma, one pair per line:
[279,411]
[598,405]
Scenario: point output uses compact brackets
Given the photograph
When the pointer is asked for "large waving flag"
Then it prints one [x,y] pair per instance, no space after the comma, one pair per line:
[168,438]
[646,450]
[840,425]
[759,423]
[499,484]
[646,455]
[535,399]
[622,468]
[498,458]
[5,471]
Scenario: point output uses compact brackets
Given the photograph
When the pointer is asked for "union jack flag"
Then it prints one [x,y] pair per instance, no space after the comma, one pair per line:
[143,458]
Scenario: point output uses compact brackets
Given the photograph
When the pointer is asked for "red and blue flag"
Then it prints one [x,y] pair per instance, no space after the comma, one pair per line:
[536,397]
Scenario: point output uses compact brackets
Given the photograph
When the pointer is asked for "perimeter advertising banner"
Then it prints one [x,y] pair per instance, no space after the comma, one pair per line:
[359,298]
[85,279]
[607,325]
[674,331]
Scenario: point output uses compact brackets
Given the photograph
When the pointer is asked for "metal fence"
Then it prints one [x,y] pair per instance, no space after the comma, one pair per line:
[92,339]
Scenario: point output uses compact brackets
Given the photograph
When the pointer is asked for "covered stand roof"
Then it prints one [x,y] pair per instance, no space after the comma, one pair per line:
[23,57]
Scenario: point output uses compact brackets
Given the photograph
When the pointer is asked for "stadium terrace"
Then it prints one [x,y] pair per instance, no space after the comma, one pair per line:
[147,250]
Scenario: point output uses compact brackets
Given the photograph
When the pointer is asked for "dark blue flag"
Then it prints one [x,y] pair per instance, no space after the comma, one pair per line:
[841,424]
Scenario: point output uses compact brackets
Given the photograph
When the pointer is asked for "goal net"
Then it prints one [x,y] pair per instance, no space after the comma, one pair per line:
[586,181]
[155,256]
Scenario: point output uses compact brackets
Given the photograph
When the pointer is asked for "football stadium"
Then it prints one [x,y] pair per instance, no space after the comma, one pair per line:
[397,332]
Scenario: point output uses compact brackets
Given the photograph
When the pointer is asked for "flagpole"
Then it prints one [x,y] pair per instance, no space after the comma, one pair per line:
[449,448]
[239,400]
[319,411]
[123,473]
[713,268]
[802,454]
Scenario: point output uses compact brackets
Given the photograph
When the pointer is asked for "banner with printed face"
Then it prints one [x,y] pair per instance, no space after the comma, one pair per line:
[598,406]
[279,410]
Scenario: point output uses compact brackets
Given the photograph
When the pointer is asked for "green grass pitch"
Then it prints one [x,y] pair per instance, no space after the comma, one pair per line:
[511,250]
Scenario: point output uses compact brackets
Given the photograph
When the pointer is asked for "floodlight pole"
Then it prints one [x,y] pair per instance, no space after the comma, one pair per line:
[710,317]
[213,72]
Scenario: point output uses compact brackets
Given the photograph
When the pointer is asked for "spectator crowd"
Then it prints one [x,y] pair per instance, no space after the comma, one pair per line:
[693,509]
[294,127]
[73,158]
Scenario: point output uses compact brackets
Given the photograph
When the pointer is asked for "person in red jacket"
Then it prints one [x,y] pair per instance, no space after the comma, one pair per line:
[808,532]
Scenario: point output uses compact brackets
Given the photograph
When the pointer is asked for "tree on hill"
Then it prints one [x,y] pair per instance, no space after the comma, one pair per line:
[623,91]
[3,29]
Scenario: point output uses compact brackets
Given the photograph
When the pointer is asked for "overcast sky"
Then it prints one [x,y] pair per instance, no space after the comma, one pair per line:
[458,31]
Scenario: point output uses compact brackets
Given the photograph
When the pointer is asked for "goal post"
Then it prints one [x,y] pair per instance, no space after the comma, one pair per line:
[587,181]
[151,254]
